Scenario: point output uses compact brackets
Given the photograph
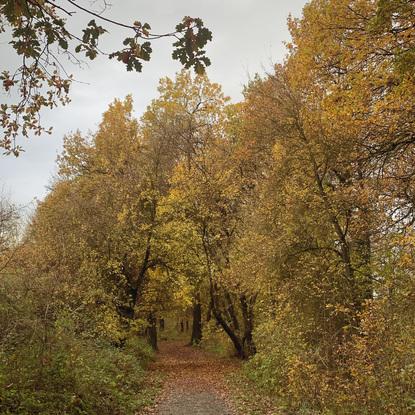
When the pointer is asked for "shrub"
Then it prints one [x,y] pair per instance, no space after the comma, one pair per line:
[72,377]
[54,366]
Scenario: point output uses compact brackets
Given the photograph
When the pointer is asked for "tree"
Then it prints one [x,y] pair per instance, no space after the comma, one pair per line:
[40,36]
[332,123]
[208,196]
[9,231]
[185,118]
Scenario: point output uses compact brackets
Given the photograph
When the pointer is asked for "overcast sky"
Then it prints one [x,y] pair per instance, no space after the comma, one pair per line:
[248,37]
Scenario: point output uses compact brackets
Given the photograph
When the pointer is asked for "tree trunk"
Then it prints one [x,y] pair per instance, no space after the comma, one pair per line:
[197,321]
[232,335]
[247,307]
[152,331]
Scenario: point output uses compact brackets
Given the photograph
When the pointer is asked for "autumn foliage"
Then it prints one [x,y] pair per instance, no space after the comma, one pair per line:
[285,221]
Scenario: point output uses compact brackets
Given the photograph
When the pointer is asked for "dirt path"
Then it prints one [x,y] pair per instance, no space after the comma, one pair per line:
[194,382]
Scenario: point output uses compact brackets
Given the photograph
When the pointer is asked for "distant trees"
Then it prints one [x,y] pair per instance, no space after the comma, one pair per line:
[9,221]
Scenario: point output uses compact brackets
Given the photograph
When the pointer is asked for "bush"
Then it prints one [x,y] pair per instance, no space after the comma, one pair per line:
[72,377]
[50,364]
[372,372]
[285,366]
[380,362]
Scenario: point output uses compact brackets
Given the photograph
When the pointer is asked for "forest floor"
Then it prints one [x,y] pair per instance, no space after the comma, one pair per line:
[194,381]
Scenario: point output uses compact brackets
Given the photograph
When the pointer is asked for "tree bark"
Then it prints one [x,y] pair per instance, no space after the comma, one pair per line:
[197,321]
[152,331]
[247,307]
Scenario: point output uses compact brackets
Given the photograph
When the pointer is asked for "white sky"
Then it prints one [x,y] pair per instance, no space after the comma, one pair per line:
[248,37]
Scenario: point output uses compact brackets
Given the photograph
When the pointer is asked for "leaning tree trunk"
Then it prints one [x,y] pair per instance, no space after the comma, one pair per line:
[241,339]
